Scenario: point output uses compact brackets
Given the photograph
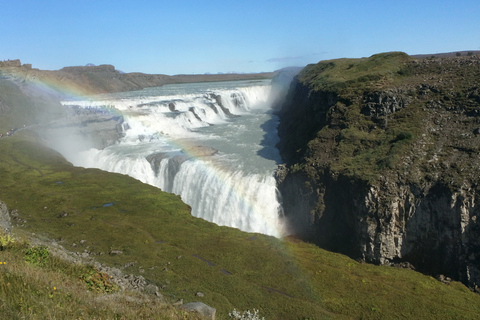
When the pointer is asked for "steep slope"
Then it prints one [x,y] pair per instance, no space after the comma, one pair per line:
[381,160]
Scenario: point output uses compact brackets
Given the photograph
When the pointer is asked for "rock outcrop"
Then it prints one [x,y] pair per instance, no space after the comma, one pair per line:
[5,221]
[382,158]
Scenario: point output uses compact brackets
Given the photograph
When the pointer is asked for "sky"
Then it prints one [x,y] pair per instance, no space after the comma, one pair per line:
[210,36]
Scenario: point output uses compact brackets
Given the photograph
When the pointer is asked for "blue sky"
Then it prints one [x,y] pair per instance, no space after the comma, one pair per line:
[174,37]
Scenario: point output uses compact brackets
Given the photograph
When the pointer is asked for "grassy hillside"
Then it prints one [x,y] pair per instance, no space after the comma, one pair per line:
[159,239]
[35,285]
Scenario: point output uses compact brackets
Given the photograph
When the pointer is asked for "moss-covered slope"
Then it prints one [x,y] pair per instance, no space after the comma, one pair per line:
[160,240]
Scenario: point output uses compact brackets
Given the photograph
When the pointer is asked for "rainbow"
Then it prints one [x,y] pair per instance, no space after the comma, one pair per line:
[72,91]
[215,173]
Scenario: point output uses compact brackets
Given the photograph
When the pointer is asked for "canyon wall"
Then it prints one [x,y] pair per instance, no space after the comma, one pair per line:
[381,161]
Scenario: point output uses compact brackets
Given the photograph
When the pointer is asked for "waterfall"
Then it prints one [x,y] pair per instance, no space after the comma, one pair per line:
[201,142]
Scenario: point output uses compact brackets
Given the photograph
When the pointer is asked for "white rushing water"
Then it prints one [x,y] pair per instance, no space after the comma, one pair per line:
[172,134]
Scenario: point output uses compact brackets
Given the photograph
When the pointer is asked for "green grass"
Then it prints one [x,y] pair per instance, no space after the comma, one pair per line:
[349,141]
[284,279]
[354,75]
[60,290]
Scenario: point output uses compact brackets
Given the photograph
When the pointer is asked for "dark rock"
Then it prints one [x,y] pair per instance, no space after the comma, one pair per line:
[218,100]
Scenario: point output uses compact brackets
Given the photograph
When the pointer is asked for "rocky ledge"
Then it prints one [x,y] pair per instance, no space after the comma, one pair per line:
[382,158]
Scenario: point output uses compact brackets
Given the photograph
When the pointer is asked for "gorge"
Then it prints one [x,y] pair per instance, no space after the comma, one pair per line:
[378,162]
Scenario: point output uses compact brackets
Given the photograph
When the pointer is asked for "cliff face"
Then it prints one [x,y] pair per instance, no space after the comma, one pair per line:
[381,161]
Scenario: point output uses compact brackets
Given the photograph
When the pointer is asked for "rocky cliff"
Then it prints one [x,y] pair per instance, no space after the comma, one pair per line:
[381,160]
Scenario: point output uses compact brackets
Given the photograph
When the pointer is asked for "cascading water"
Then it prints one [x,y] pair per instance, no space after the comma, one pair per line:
[212,144]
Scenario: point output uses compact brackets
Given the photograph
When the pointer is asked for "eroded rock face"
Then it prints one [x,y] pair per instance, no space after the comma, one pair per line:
[396,183]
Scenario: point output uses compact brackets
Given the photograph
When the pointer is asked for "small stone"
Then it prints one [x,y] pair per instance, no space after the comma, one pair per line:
[200,294]
[83,241]
[116,252]
[179,302]
[130,264]
[151,289]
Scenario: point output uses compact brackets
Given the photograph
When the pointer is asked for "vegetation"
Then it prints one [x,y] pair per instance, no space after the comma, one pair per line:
[141,230]
[55,290]
[383,106]
[161,241]
[353,75]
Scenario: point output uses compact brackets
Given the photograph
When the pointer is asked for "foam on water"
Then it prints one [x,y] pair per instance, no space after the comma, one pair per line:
[234,187]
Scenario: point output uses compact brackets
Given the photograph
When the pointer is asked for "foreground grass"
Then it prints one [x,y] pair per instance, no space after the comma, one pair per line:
[54,290]
[183,255]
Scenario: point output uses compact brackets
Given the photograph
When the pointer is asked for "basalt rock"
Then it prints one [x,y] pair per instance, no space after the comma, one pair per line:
[384,168]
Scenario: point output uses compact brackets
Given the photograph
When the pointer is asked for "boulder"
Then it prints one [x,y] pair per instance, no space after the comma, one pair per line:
[204,311]
[5,223]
